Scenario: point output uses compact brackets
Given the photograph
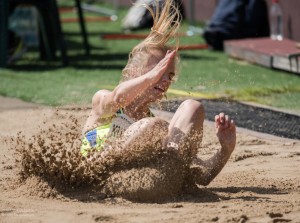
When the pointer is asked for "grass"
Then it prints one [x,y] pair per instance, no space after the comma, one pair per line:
[203,73]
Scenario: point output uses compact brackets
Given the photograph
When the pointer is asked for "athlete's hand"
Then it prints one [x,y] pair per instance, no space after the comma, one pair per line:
[157,72]
[226,132]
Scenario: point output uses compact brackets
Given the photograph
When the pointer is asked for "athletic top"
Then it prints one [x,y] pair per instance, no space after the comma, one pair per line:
[95,139]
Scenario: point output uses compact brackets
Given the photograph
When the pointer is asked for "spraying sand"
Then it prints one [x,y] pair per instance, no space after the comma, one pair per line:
[52,155]
[259,184]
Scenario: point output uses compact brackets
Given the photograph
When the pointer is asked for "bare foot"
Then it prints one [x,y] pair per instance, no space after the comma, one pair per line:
[226,132]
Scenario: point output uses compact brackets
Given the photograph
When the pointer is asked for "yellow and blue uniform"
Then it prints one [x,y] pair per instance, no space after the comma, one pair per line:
[95,139]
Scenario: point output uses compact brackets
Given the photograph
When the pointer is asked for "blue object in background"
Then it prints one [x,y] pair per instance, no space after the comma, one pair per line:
[236,19]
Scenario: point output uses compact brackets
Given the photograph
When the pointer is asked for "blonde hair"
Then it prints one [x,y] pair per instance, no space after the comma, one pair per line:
[166,22]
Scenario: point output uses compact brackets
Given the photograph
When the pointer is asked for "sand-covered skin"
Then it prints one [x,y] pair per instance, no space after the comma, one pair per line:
[260,183]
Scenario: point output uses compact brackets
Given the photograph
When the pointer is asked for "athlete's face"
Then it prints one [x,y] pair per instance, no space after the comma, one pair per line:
[160,88]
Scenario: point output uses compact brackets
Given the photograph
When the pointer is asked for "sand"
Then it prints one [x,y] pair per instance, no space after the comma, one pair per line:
[260,183]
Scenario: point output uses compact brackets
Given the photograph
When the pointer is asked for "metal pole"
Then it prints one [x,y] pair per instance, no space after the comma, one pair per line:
[59,34]
[3,32]
[83,28]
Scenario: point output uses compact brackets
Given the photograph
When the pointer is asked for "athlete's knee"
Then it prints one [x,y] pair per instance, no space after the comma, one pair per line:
[193,107]
[156,124]
[150,122]
[155,130]
[147,125]
[146,133]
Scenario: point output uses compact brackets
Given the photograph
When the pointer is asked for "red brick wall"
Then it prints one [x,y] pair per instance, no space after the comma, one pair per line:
[203,9]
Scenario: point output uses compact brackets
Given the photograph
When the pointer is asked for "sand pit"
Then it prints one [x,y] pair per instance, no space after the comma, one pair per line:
[261,182]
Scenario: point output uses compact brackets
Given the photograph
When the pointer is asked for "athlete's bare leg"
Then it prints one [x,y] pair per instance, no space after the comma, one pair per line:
[186,129]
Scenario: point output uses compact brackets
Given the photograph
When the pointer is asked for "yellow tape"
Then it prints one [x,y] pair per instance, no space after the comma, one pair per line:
[177,92]
[191,94]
